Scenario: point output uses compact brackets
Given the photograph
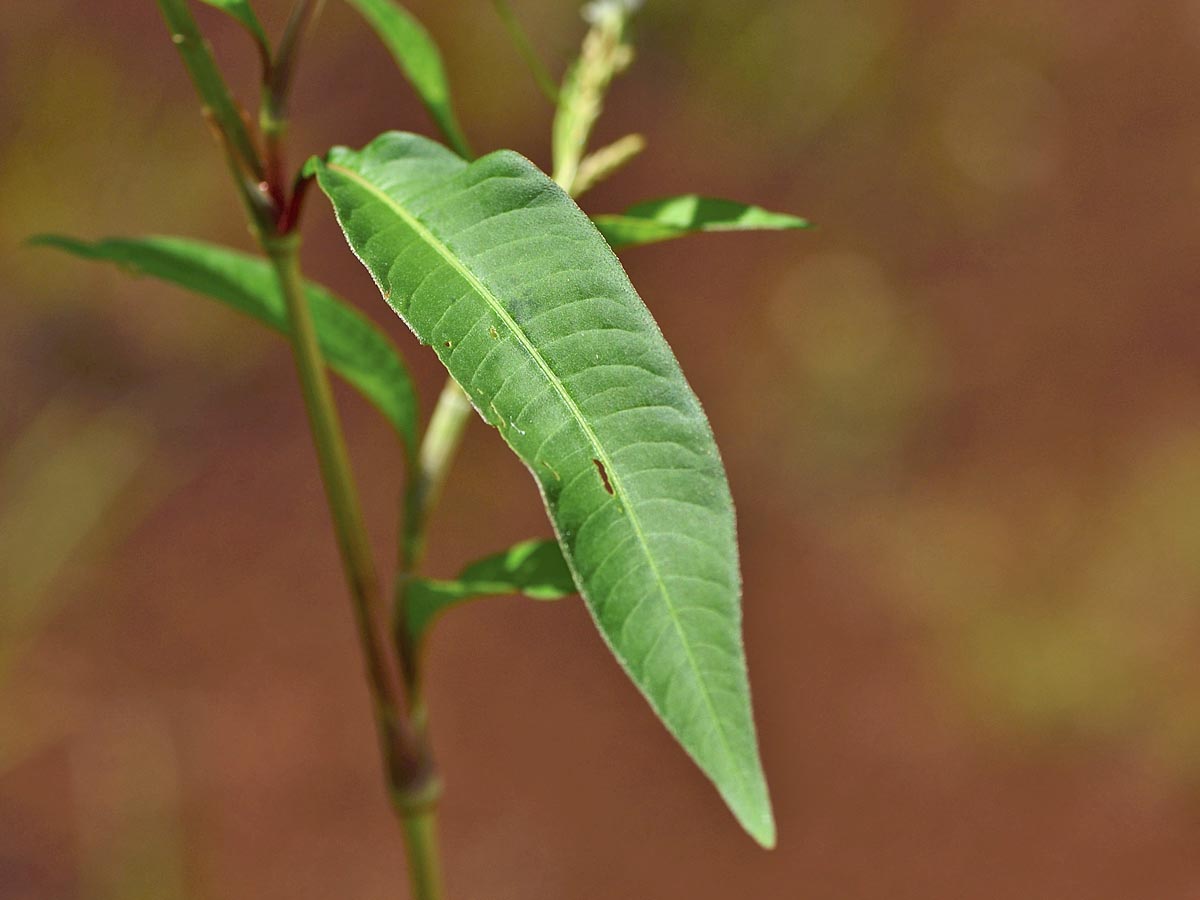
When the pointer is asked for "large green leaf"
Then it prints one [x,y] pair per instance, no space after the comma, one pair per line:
[243,12]
[533,568]
[492,265]
[352,345]
[421,62]
[660,220]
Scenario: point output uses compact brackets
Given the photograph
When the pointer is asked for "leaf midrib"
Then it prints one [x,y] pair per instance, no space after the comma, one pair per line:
[497,307]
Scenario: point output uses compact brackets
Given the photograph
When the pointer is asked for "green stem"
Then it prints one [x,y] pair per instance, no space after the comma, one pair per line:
[334,462]
[438,448]
[437,452]
[604,55]
[421,842]
[277,84]
[411,774]
[219,105]
[412,777]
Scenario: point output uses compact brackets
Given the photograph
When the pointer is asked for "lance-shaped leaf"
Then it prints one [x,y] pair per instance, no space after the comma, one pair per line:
[421,62]
[353,347]
[672,217]
[533,568]
[493,266]
[243,12]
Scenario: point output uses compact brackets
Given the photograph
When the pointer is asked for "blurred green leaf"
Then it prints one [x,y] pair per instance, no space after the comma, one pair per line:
[353,347]
[420,60]
[672,217]
[497,269]
[61,479]
[243,12]
[525,48]
[533,568]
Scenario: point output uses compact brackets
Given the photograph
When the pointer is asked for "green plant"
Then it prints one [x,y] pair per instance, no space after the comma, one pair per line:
[492,265]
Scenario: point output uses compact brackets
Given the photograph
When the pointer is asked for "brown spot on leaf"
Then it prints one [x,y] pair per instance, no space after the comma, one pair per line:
[493,332]
[604,476]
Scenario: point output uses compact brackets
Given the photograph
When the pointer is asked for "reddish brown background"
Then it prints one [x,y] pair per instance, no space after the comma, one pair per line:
[960,420]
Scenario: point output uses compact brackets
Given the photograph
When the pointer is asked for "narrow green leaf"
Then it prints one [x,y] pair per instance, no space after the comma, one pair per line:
[492,265]
[533,568]
[672,217]
[352,345]
[525,48]
[243,12]
[419,58]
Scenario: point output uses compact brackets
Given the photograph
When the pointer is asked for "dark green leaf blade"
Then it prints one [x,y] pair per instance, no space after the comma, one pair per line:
[672,217]
[421,62]
[352,345]
[500,272]
[243,12]
[533,568]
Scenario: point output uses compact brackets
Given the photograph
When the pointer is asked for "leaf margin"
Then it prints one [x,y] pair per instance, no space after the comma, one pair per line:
[399,409]
[666,218]
[335,173]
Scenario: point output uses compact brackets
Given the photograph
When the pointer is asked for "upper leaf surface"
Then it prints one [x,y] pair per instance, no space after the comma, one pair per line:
[533,568]
[419,58]
[353,347]
[500,272]
[660,220]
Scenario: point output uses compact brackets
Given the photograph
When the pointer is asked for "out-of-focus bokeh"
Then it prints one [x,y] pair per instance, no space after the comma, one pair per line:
[961,421]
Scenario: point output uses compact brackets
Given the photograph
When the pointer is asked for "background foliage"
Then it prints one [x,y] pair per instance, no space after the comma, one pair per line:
[959,420]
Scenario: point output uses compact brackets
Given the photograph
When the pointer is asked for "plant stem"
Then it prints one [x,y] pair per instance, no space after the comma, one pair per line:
[418,807]
[412,778]
[604,55]
[436,454]
[420,840]
[334,462]
[277,84]
[219,104]
[438,447]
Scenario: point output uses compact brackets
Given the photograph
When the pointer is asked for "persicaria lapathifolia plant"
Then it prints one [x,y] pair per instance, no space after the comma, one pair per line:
[494,267]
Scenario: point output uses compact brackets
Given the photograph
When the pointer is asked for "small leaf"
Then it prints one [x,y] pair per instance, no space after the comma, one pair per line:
[353,347]
[244,14]
[533,568]
[672,217]
[497,269]
[419,58]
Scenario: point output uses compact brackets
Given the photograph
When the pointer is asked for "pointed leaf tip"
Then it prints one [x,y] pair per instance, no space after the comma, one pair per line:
[501,274]
[672,217]
[419,58]
[243,13]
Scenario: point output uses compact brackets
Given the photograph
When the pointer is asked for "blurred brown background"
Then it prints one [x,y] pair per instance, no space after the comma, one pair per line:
[961,420]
